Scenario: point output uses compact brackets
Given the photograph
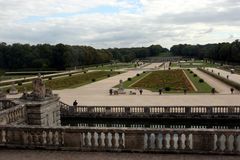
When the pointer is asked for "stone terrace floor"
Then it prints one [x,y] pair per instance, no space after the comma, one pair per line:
[66,155]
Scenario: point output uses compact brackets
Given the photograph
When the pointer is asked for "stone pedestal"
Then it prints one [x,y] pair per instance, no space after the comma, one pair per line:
[44,113]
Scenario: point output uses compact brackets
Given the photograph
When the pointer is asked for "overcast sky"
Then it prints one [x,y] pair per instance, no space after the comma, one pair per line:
[119,23]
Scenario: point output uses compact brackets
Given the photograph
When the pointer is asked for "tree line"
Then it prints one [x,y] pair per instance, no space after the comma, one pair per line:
[45,56]
[225,52]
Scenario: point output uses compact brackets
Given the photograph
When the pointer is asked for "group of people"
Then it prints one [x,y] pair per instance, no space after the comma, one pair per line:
[111,91]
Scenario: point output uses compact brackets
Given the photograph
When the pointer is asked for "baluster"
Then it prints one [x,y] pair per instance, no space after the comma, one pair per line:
[106,140]
[148,140]
[92,139]
[121,145]
[180,144]
[61,138]
[218,142]
[172,140]
[86,140]
[100,139]
[50,136]
[235,143]
[4,140]
[227,147]
[157,141]
[44,137]
[187,142]
[56,138]
[164,141]
[114,140]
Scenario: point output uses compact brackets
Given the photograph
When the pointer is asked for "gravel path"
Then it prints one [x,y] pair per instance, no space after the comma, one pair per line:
[215,83]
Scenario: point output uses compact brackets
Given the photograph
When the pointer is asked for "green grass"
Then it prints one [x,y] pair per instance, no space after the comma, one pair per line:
[127,84]
[9,77]
[73,81]
[193,64]
[175,79]
[201,87]
[113,66]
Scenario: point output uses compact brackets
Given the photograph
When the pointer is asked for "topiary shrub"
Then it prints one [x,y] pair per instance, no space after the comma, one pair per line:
[138,75]
[167,89]
[85,72]
[119,72]
[194,75]
[191,71]
[188,69]
[144,71]
[19,83]
[201,81]
[93,80]
[111,70]
[70,75]
[109,75]
[129,79]
[50,78]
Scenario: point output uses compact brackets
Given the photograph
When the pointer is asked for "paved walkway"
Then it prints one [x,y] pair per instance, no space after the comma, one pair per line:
[220,87]
[233,77]
[66,155]
[99,88]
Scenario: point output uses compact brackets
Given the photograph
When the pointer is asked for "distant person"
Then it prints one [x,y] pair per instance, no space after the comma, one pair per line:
[232,90]
[213,91]
[140,91]
[185,91]
[111,91]
[75,103]
[160,91]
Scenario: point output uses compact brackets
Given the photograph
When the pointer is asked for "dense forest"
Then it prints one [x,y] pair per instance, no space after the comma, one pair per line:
[225,52]
[45,56]
[60,56]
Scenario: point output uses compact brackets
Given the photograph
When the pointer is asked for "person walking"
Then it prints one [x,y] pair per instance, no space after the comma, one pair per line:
[140,91]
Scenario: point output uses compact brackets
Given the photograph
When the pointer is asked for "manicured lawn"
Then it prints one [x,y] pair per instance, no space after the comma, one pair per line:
[72,81]
[173,79]
[128,84]
[201,87]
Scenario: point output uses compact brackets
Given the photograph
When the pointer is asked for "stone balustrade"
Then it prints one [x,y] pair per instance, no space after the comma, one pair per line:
[126,140]
[188,112]
[13,115]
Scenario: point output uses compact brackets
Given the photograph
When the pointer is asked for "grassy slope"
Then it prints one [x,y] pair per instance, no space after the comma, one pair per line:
[201,87]
[72,81]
